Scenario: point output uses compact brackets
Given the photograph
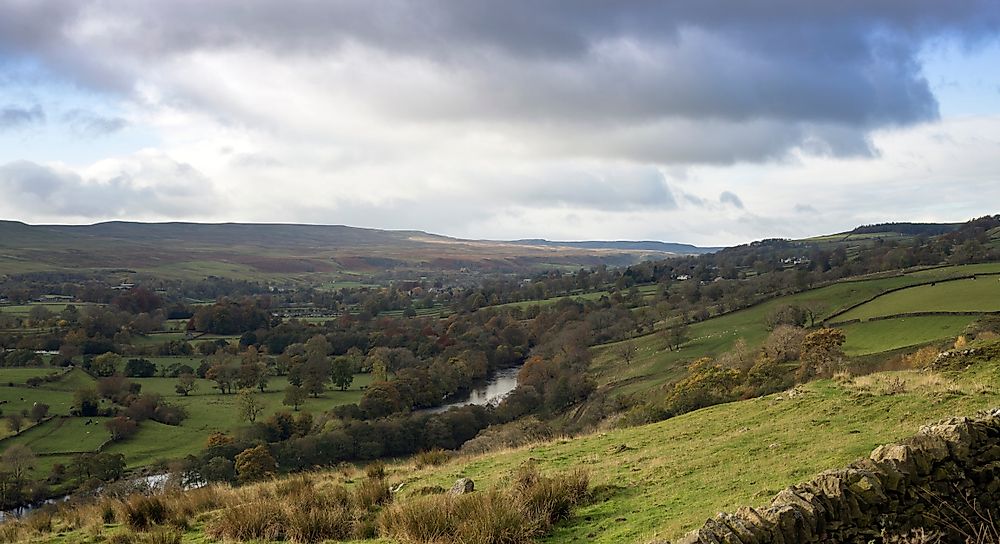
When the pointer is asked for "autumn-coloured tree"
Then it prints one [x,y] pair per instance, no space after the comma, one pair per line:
[294,397]
[15,422]
[217,439]
[223,372]
[249,405]
[185,384]
[822,353]
[255,464]
[121,428]
[784,344]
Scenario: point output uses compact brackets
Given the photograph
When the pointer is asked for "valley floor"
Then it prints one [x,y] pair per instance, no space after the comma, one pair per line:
[661,480]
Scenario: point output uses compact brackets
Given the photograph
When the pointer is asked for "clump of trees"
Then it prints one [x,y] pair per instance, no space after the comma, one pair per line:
[232,317]
[789,355]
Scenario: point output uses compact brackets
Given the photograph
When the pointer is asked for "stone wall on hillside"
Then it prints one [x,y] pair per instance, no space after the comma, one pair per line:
[945,480]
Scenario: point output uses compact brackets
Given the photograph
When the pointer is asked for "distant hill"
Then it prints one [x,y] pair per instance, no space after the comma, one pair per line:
[644,245]
[908,229]
[254,250]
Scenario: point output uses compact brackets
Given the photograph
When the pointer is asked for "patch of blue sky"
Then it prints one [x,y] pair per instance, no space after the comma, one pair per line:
[965,78]
[79,126]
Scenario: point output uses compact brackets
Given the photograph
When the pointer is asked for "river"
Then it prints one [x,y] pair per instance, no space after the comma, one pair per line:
[153,481]
[492,392]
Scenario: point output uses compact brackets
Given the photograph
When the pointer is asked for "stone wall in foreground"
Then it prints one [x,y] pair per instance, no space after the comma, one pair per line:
[943,480]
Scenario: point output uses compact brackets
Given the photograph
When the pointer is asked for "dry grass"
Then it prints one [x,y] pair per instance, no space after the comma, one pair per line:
[519,510]
[253,520]
[144,518]
[159,536]
[141,512]
[303,508]
[896,383]
[432,458]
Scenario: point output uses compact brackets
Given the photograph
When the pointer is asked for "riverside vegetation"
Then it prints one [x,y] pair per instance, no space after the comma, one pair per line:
[681,349]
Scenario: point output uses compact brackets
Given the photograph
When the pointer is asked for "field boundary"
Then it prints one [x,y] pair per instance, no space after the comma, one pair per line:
[911,314]
[947,467]
[829,320]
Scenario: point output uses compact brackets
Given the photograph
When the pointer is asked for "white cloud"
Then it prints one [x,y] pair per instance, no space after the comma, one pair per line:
[147,185]
[677,123]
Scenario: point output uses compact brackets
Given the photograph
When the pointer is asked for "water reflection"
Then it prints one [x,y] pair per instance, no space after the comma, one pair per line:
[492,392]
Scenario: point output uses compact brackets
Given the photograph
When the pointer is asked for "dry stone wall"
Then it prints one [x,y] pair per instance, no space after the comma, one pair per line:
[945,481]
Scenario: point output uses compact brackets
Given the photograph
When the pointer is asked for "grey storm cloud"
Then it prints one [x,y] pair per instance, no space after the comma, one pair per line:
[828,71]
[157,186]
[14,116]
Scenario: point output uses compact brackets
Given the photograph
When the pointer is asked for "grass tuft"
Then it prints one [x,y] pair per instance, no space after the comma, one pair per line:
[516,512]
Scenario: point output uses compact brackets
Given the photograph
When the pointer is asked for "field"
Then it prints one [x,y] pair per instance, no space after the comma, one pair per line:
[667,478]
[64,435]
[891,334]
[654,364]
[208,412]
[22,310]
[658,481]
[645,291]
[968,295]
[18,376]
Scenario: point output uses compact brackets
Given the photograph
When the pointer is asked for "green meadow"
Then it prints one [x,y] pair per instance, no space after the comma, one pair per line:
[891,334]
[208,412]
[658,481]
[654,365]
[968,295]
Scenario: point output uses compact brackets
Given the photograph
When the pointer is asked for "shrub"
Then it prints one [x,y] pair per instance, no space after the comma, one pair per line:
[428,519]
[375,470]
[432,458]
[254,464]
[372,492]
[256,520]
[316,524]
[509,435]
[517,512]
[492,518]
[107,513]
[140,512]
[121,428]
[162,536]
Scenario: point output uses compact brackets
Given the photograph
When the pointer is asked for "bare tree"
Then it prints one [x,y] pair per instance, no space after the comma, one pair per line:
[627,350]
[250,406]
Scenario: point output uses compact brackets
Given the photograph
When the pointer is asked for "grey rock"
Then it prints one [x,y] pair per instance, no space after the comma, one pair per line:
[462,486]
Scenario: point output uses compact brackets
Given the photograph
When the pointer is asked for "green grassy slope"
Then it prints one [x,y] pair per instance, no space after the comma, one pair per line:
[654,364]
[661,480]
[208,412]
[891,334]
[274,251]
[969,295]
[667,478]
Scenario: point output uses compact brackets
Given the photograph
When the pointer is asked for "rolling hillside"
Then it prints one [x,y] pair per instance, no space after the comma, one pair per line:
[247,251]
[660,480]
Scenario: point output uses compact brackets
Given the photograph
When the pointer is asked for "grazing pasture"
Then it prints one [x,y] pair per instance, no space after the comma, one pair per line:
[891,334]
[968,295]
[208,412]
[654,365]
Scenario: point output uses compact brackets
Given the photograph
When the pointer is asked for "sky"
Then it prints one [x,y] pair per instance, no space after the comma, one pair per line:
[704,121]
